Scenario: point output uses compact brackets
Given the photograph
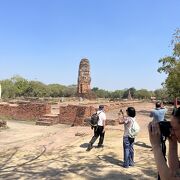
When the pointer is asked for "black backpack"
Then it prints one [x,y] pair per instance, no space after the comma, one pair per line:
[94,119]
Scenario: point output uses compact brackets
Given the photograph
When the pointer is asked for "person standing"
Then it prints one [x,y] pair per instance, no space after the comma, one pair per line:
[99,131]
[158,114]
[128,140]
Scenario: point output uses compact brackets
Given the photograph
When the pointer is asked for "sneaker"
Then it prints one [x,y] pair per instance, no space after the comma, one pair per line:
[89,147]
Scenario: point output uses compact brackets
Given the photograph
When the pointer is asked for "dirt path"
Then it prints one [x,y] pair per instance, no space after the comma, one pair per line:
[59,152]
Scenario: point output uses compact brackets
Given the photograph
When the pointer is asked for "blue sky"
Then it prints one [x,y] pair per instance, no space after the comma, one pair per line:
[45,40]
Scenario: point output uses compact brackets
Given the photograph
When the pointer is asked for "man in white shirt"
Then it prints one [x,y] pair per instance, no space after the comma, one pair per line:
[99,130]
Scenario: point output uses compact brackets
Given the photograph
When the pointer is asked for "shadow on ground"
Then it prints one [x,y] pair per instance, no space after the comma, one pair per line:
[62,164]
[142,144]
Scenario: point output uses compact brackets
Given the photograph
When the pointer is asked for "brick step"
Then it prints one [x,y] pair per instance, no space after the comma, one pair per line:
[52,120]
[44,123]
[45,119]
[48,120]
[51,115]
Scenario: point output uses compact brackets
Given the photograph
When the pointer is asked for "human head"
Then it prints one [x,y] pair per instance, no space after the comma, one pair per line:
[158,104]
[101,107]
[175,123]
[131,111]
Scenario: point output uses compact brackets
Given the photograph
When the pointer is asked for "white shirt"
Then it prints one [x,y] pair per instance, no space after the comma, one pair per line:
[102,118]
[127,125]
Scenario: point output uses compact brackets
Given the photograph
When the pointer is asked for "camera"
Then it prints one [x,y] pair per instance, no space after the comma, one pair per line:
[121,112]
[165,128]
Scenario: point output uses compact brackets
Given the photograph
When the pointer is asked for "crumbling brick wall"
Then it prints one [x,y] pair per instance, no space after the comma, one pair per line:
[78,115]
[27,111]
[75,115]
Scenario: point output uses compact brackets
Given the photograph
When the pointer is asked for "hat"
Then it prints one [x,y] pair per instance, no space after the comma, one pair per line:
[101,107]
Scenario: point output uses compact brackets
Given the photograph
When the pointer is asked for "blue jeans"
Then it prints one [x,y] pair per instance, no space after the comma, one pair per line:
[128,151]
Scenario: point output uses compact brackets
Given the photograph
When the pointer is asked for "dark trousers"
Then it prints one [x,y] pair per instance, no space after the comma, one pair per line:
[98,131]
[128,151]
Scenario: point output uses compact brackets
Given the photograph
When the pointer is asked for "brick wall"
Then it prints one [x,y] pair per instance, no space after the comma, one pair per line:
[75,115]
[79,115]
[28,111]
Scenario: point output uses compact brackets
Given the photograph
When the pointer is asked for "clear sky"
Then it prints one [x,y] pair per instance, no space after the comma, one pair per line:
[45,40]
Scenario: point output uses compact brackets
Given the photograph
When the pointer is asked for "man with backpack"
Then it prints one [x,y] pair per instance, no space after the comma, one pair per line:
[99,129]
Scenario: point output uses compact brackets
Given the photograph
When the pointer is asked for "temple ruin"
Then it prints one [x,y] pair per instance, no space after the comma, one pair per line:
[84,78]
[129,95]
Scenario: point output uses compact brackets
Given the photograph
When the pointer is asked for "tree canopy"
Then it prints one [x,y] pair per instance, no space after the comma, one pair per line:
[17,86]
[171,66]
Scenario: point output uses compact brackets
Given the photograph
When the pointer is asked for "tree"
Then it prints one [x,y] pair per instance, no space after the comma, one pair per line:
[171,66]
[101,93]
[37,89]
[70,91]
[173,82]
[56,90]
[143,94]
[8,90]
[21,85]
[118,94]
[161,93]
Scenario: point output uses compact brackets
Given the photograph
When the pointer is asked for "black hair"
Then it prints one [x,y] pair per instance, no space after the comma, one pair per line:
[101,107]
[131,111]
[158,104]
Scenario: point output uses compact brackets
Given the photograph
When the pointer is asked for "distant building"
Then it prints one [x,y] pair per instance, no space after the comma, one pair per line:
[84,79]
[129,95]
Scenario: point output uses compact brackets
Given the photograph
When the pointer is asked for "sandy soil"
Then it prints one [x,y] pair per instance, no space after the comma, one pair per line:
[28,151]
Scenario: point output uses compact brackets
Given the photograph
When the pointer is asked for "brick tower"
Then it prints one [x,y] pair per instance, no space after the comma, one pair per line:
[84,79]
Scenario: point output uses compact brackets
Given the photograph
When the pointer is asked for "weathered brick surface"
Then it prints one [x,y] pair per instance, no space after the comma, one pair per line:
[71,114]
[79,115]
[84,78]
[28,111]
[75,115]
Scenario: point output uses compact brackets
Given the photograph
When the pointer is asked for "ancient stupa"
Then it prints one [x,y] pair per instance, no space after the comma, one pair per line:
[84,79]
[129,95]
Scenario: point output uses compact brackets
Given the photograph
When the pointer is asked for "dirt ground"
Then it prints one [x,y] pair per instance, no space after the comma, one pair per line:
[28,151]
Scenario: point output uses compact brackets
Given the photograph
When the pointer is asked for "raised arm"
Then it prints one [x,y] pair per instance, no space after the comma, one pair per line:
[154,136]
[173,155]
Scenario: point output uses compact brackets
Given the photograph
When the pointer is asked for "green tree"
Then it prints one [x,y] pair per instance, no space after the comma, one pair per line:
[37,89]
[8,90]
[101,93]
[21,85]
[161,94]
[70,91]
[118,94]
[56,90]
[170,66]
[143,94]
[173,82]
